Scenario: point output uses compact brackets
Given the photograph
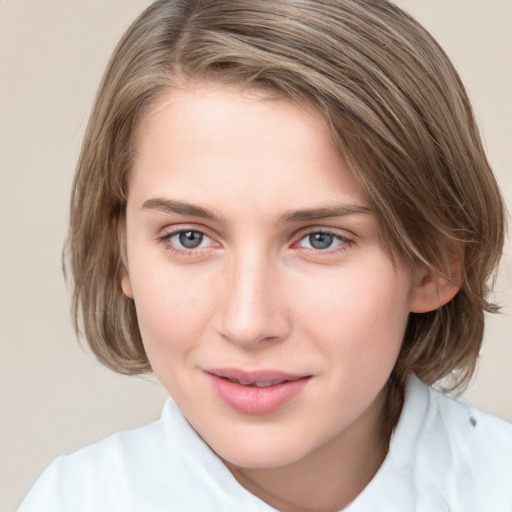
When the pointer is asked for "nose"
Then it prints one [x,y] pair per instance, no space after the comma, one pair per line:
[253,312]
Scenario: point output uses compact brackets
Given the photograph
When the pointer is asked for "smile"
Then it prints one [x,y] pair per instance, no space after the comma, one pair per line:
[255,393]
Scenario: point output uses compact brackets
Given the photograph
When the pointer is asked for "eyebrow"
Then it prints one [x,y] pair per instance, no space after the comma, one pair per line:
[304,215]
[179,207]
[326,212]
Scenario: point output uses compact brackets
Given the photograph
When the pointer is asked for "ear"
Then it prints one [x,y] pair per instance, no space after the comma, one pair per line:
[124,278]
[126,285]
[433,289]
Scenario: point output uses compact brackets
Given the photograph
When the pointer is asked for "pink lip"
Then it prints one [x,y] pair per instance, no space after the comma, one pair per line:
[251,399]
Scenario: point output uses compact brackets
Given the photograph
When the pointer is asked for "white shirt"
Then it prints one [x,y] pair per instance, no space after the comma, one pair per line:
[443,456]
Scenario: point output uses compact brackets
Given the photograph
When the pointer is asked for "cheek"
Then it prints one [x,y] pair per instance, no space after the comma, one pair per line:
[172,309]
[358,315]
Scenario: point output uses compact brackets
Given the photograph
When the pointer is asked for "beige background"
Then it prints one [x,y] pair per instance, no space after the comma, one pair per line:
[54,397]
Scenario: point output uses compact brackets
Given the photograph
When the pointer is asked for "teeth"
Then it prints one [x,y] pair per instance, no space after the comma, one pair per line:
[256,384]
[244,382]
[265,384]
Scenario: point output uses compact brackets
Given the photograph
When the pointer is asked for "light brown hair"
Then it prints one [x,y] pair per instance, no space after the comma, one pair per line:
[395,106]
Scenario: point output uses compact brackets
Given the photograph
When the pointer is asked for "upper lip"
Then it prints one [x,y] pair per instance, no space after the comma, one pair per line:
[255,376]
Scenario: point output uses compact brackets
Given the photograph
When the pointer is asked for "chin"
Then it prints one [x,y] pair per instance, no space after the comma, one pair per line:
[260,452]
[258,460]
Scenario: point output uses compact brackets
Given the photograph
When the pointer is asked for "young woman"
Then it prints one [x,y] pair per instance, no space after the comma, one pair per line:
[284,210]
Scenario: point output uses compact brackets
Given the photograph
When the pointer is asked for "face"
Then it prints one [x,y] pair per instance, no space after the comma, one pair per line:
[267,306]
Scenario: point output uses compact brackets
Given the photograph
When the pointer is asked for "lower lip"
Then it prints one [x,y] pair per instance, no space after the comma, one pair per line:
[254,400]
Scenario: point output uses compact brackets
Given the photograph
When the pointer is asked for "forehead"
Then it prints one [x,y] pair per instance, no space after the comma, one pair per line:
[213,103]
[216,142]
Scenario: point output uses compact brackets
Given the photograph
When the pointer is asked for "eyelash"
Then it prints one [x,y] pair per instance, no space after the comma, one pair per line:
[343,245]
[190,252]
[344,242]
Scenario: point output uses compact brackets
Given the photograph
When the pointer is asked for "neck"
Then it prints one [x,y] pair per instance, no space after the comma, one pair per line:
[332,476]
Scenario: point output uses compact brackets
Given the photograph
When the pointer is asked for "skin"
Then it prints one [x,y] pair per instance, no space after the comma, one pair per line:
[256,294]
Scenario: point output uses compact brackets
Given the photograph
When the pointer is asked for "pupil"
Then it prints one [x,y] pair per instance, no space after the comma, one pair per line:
[320,240]
[190,239]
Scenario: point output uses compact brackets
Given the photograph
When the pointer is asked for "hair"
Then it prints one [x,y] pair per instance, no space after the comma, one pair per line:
[396,108]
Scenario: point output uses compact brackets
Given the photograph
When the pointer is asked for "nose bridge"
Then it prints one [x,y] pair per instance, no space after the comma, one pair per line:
[253,311]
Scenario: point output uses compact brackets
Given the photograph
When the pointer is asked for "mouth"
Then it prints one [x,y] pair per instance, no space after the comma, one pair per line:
[255,392]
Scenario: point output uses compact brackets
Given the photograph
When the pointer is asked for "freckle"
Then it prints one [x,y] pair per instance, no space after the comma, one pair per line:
[472,421]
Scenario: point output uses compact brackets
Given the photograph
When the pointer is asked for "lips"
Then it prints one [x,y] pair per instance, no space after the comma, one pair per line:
[255,392]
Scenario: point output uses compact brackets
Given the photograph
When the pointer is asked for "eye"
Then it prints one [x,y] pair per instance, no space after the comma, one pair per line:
[186,240]
[322,240]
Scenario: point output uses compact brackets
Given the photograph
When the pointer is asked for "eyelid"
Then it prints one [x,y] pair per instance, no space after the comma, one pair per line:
[344,236]
[341,235]
[166,234]
[337,232]
[174,229]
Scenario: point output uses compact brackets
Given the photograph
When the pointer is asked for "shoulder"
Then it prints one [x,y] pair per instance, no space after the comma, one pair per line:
[487,436]
[443,456]
[97,471]
[163,466]
[461,452]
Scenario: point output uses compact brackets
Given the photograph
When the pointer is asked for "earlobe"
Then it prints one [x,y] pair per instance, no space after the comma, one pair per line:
[433,290]
[126,285]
